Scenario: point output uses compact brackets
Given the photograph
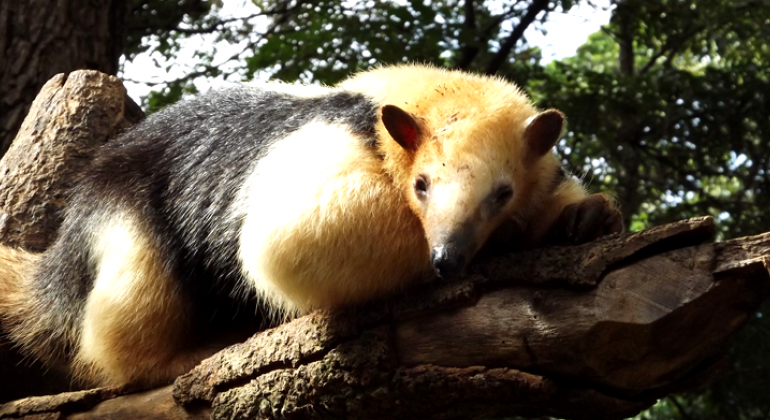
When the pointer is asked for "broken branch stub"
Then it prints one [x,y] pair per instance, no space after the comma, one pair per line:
[70,118]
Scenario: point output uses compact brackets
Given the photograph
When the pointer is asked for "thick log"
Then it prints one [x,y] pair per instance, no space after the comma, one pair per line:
[594,331]
[657,320]
[489,347]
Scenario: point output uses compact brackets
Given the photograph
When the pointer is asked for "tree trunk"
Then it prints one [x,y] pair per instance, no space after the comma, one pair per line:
[629,132]
[41,38]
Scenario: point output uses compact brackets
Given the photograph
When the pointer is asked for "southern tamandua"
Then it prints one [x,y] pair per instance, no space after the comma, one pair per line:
[306,197]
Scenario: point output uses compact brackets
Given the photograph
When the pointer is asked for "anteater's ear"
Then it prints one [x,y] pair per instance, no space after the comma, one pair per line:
[401,126]
[542,132]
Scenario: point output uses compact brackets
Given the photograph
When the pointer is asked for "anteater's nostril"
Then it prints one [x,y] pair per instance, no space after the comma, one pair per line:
[447,261]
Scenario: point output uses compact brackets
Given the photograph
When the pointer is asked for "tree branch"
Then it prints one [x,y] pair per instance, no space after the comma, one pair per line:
[679,408]
[471,48]
[670,47]
[502,54]
[482,37]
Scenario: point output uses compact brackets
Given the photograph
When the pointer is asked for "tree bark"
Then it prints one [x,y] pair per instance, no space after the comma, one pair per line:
[39,39]
[597,331]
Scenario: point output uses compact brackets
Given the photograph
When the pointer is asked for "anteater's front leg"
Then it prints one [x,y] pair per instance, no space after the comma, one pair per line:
[594,216]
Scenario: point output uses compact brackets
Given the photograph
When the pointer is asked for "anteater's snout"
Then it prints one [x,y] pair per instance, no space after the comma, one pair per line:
[447,261]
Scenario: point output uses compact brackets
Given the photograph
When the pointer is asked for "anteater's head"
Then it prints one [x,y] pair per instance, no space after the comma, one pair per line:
[467,169]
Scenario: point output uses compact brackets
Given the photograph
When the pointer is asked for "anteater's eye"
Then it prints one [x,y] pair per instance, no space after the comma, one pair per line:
[421,185]
[503,195]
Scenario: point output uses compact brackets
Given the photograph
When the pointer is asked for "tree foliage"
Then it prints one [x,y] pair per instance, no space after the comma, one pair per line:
[326,40]
[680,134]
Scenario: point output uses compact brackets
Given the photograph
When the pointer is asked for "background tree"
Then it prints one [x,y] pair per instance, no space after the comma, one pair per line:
[667,104]
[39,39]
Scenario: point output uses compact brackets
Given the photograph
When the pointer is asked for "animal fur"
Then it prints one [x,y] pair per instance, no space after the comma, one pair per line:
[306,198]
